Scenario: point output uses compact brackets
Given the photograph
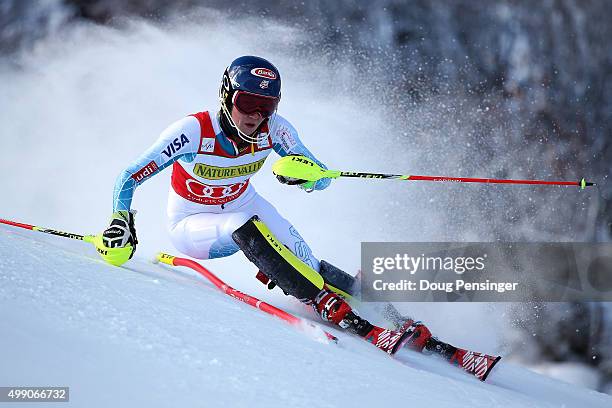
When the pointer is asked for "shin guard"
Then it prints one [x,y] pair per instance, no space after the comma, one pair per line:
[277,262]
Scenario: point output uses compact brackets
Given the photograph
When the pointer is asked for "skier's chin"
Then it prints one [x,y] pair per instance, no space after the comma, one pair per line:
[248,128]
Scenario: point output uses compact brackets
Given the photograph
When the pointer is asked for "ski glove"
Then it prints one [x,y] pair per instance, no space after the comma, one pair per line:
[307,186]
[117,244]
[290,180]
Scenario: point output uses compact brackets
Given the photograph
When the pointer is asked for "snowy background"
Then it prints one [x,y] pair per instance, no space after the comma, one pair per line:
[510,89]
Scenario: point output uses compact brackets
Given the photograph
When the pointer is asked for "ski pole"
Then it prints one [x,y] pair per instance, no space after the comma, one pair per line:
[230,291]
[85,238]
[114,256]
[302,168]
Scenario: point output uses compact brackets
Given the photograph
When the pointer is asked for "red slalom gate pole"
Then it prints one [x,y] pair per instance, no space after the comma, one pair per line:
[228,290]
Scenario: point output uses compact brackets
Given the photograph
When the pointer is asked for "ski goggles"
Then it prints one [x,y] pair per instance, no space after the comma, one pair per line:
[249,103]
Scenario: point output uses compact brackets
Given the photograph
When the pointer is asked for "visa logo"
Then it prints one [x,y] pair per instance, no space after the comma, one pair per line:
[175,146]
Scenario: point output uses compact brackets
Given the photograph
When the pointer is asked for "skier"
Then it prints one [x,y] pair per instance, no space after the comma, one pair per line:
[214,211]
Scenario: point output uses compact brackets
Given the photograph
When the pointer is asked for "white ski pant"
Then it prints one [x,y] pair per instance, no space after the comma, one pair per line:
[205,231]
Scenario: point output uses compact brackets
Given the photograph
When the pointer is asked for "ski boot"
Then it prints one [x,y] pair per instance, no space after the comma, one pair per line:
[333,308]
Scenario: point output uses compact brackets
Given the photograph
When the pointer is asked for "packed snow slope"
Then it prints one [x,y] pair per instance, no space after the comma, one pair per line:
[150,335]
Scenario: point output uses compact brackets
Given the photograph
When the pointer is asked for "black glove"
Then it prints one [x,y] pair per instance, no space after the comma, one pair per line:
[290,180]
[121,231]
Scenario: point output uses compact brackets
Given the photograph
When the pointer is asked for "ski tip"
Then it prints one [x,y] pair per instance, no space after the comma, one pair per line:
[484,377]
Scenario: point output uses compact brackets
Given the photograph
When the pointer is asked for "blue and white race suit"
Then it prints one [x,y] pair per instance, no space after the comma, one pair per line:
[210,195]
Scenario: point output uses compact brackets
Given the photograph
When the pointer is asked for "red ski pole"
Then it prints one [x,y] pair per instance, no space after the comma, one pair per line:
[302,168]
[228,290]
[86,238]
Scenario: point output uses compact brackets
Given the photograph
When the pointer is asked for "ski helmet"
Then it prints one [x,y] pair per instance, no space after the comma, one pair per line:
[252,84]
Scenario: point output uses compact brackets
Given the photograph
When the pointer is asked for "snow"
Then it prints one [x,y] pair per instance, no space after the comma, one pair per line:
[571,372]
[151,335]
[79,107]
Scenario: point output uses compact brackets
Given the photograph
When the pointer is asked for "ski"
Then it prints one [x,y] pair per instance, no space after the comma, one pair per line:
[475,363]
[404,334]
